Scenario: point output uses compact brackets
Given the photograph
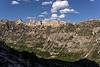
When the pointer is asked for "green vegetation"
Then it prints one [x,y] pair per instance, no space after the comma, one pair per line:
[67,58]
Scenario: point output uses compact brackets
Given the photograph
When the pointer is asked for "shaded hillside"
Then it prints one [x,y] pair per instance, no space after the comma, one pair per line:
[66,41]
[12,58]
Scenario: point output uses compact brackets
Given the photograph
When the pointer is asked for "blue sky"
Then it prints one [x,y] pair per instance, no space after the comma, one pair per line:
[67,10]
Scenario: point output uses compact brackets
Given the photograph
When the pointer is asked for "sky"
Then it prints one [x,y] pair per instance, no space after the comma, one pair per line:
[66,10]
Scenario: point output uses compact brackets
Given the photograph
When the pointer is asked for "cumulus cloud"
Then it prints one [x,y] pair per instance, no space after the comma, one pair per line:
[44,13]
[53,10]
[62,16]
[14,2]
[47,3]
[67,10]
[54,16]
[61,6]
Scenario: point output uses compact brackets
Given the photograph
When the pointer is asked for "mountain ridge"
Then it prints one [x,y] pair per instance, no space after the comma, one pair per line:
[72,41]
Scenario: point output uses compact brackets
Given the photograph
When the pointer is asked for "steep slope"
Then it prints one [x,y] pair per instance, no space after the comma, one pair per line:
[70,41]
[12,58]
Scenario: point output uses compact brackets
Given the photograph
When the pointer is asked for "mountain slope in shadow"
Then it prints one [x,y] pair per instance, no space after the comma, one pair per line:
[12,58]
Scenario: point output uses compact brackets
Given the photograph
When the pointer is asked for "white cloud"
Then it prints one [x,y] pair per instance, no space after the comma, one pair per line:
[31,17]
[24,1]
[54,16]
[14,2]
[92,0]
[41,16]
[62,16]
[37,0]
[67,10]
[53,10]
[60,4]
[44,13]
[47,3]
